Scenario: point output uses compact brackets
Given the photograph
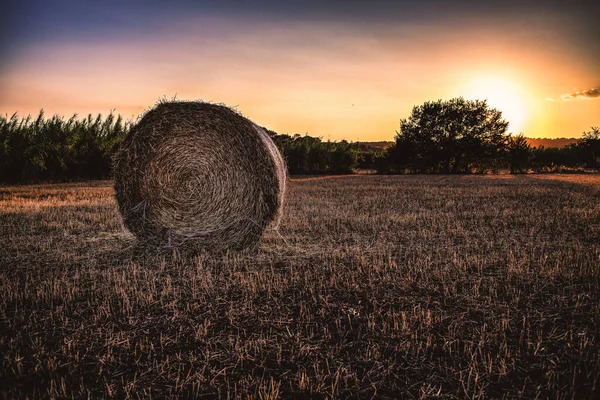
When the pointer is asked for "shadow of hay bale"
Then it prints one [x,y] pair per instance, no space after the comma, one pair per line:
[198,175]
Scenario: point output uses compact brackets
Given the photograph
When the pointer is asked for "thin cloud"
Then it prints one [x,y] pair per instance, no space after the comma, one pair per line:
[593,93]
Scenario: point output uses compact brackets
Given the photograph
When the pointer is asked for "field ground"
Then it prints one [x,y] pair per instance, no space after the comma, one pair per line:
[385,287]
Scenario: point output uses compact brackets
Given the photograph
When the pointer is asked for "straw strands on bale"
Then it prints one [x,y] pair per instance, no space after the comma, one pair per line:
[200,174]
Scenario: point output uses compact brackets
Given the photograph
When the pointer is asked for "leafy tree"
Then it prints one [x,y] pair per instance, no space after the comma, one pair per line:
[343,157]
[454,136]
[382,162]
[553,159]
[519,154]
[591,148]
[58,149]
[439,137]
[310,155]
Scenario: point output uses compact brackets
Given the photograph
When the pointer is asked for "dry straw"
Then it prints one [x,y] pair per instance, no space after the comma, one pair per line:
[201,174]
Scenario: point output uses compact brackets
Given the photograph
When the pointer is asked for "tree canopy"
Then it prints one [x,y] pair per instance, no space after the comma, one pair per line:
[453,136]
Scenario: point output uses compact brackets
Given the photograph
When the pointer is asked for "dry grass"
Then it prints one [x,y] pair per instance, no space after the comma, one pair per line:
[407,286]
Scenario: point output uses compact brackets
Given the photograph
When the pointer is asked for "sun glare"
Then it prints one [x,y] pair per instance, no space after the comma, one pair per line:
[502,94]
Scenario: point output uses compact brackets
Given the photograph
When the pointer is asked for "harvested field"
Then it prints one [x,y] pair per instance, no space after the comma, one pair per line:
[385,286]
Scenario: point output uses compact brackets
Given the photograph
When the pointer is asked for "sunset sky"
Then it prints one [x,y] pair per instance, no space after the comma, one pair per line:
[336,69]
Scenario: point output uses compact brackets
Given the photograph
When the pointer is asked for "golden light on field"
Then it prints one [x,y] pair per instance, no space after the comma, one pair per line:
[503,94]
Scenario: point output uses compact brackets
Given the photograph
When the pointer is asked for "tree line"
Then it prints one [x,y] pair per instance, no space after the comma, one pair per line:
[311,155]
[454,136]
[58,149]
[467,136]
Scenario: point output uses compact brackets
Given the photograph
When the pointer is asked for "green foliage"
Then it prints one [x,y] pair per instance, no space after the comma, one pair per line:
[577,156]
[464,136]
[58,149]
[590,145]
[519,154]
[552,159]
[310,155]
[454,136]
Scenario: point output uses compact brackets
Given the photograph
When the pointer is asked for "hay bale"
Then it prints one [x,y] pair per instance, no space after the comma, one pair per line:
[201,174]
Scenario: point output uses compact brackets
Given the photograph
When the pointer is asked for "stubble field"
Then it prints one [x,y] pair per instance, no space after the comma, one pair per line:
[382,286]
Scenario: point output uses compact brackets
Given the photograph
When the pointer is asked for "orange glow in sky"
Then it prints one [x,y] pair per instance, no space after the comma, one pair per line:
[505,95]
[323,79]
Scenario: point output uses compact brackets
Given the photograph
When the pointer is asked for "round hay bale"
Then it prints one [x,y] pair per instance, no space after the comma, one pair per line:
[198,173]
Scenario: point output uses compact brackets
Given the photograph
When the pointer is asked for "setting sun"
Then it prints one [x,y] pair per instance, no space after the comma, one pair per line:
[300,199]
[337,70]
[504,95]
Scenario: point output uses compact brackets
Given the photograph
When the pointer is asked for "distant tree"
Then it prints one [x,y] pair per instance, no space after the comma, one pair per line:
[454,136]
[310,155]
[519,154]
[58,149]
[382,162]
[554,159]
[343,157]
[368,159]
[406,155]
[590,144]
